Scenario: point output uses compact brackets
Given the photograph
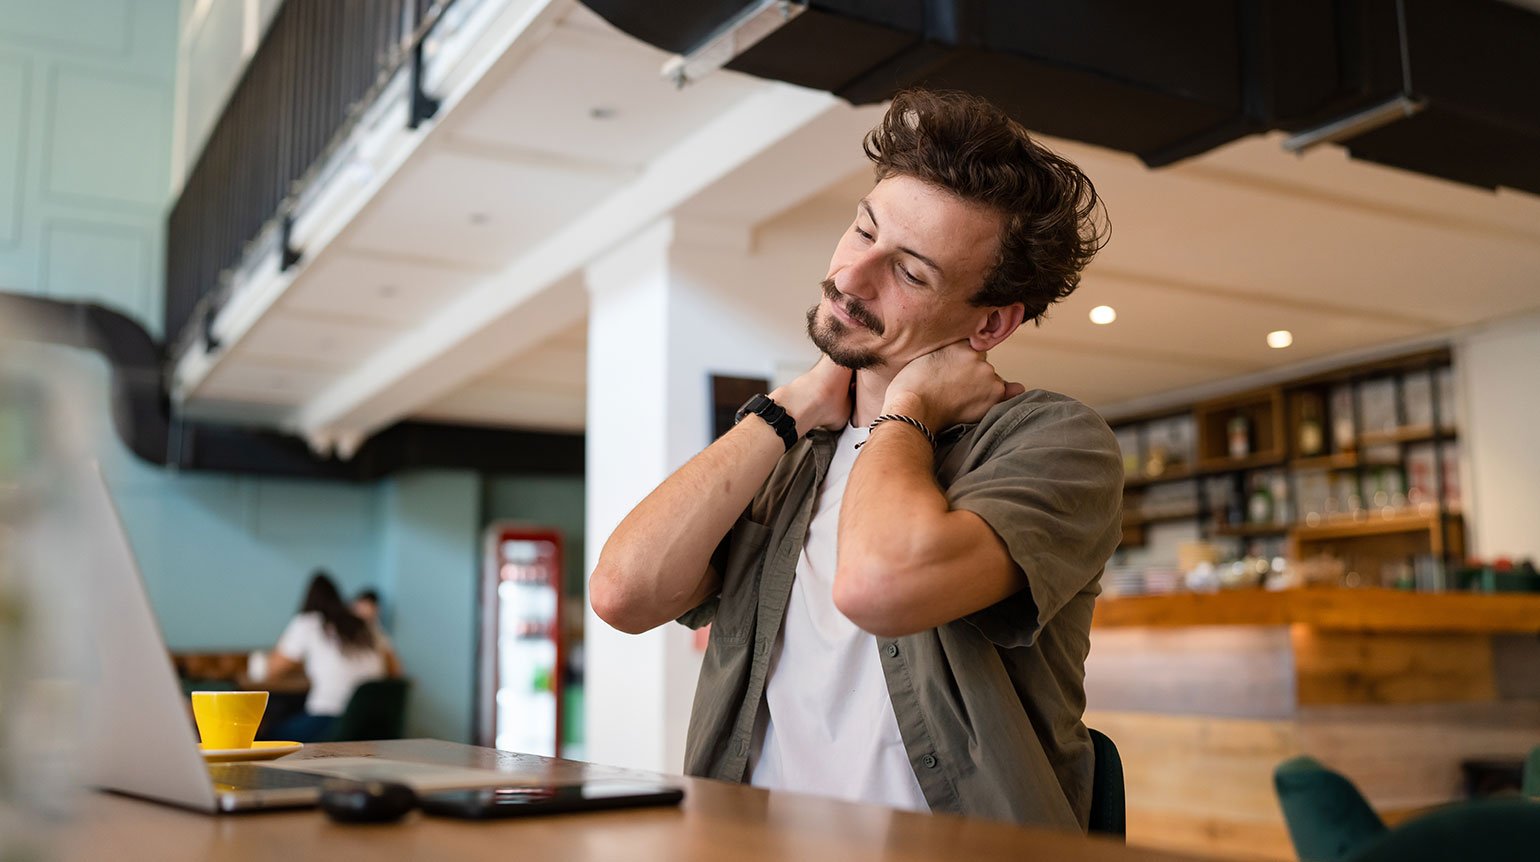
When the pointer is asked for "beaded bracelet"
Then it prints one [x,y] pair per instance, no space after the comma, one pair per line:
[907,420]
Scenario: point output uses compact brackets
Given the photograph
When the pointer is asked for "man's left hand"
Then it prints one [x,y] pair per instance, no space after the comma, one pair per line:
[951,385]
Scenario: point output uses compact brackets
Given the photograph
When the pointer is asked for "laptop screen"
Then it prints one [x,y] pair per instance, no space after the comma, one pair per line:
[142,733]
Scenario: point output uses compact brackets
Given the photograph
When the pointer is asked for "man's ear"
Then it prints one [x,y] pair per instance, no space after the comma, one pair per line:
[997,326]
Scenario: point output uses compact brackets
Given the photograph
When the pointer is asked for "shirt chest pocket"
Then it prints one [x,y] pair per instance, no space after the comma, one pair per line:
[740,583]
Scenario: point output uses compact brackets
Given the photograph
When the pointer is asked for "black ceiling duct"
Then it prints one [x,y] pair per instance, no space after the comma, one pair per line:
[1444,87]
[142,417]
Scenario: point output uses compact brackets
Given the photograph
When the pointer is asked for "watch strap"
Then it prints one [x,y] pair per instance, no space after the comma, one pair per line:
[774,415]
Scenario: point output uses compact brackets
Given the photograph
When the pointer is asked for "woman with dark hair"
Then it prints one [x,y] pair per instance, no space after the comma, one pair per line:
[337,649]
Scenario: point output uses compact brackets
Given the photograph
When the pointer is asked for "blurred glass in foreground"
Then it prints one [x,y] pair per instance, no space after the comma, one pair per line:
[43,624]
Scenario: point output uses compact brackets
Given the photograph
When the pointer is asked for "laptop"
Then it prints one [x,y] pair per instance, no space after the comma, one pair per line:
[145,744]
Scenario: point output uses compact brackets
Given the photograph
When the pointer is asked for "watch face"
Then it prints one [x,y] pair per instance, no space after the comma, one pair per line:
[748,407]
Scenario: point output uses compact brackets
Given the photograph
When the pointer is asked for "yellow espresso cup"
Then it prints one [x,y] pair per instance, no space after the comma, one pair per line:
[228,719]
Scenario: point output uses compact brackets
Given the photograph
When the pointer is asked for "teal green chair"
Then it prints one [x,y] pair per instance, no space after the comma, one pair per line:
[1531,786]
[1495,829]
[377,710]
[1109,811]
[1328,819]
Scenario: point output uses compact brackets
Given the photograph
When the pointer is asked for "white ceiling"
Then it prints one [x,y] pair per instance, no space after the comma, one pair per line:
[1206,256]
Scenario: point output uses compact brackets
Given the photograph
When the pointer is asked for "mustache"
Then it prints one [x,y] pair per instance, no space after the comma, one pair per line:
[853,307]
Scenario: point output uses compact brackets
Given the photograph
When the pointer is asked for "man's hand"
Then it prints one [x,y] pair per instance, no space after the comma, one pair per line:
[819,398]
[948,386]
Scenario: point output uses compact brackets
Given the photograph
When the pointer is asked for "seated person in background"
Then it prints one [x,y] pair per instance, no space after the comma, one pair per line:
[337,650]
[367,606]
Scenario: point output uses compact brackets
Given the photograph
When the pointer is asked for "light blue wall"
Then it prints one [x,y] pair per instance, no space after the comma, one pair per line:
[225,558]
[86,99]
[429,564]
[86,102]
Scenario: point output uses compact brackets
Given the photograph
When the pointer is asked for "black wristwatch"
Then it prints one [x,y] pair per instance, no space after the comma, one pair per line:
[774,415]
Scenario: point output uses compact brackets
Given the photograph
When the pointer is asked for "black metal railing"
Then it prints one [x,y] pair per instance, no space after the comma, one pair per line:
[321,64]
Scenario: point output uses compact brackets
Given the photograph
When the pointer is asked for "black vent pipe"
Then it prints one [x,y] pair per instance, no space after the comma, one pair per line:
[1166,81]
[141,415]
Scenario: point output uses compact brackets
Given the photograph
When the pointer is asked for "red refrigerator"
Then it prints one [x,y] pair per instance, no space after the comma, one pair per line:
[521,654]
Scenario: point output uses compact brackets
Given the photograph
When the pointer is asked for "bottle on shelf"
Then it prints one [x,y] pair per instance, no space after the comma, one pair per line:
[1235,503]
[1239,436]
[1343,428]
[1283,507]
[1312,437]
[1259,508]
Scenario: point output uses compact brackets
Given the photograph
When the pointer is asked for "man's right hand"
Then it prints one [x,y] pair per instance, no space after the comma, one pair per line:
[820,398]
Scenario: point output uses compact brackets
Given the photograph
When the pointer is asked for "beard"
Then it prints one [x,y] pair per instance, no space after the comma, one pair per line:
[828,334]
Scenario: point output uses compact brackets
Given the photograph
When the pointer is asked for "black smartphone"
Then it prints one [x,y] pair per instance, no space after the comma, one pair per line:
[492,802]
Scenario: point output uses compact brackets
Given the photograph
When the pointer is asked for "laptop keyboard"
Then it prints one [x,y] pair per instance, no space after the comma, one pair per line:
[244,776]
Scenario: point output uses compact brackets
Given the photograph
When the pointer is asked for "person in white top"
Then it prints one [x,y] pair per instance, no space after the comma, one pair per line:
[338,651]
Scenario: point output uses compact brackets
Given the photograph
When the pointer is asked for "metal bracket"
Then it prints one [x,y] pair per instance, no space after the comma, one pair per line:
[424,106]
[1387,112]
[288,255]
[740,33]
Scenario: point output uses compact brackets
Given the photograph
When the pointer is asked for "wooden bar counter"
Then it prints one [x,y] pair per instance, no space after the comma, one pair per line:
[1205,694]
[717,822]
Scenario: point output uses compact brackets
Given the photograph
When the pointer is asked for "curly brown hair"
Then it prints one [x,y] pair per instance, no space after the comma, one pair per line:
[1054,221]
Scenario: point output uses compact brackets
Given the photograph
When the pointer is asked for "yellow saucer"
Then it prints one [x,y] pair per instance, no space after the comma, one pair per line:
[260,750]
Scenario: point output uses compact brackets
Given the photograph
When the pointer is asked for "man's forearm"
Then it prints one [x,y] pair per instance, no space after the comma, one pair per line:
[907,560]
[655,565]
[892,506]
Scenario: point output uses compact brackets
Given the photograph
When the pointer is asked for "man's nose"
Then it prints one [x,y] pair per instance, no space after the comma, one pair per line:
[860,277]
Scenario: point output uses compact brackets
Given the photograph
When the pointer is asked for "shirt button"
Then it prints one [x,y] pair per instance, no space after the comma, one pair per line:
[929,760]
[892,650]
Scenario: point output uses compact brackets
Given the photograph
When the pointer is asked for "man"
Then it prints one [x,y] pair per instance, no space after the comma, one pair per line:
[905,622]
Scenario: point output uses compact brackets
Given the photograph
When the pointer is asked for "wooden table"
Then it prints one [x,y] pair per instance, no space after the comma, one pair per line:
[718,821]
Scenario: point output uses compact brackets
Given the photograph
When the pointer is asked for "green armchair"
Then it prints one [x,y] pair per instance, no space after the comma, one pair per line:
[1328,818]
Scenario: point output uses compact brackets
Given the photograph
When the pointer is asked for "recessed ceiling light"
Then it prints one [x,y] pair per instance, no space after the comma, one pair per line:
[602,112]
[1279,339]
[388,291]
[1103,314]
[480,218]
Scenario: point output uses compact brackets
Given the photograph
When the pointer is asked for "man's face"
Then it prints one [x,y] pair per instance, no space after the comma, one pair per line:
[900,278]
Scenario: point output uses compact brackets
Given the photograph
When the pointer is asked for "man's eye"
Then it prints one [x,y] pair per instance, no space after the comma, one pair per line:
[864,235]
[908,276]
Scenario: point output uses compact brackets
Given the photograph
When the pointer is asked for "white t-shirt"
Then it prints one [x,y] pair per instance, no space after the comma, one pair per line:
[828,726]
[334,672]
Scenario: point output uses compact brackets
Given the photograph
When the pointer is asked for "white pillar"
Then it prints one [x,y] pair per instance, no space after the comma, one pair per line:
[667,309]
[1498,417]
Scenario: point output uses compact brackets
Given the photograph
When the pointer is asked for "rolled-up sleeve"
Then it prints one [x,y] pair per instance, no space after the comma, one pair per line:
[1050,485]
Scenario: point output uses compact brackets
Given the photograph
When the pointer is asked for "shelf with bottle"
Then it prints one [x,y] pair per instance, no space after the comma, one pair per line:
[1334,447]
[1241,432]
[1391,402]
[1365,522]
[1157,449]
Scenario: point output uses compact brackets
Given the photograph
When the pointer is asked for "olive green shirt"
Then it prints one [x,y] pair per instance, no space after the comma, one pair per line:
[990,705]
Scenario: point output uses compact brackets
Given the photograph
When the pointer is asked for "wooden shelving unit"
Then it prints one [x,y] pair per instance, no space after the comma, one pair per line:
[1134,519]
[1261,412]
[1180,474]
[1251,530]
[1339,461]
[1295,432]
[1411,434]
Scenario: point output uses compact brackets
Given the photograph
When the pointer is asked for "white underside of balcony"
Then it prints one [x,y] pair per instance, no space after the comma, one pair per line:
[441,268]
